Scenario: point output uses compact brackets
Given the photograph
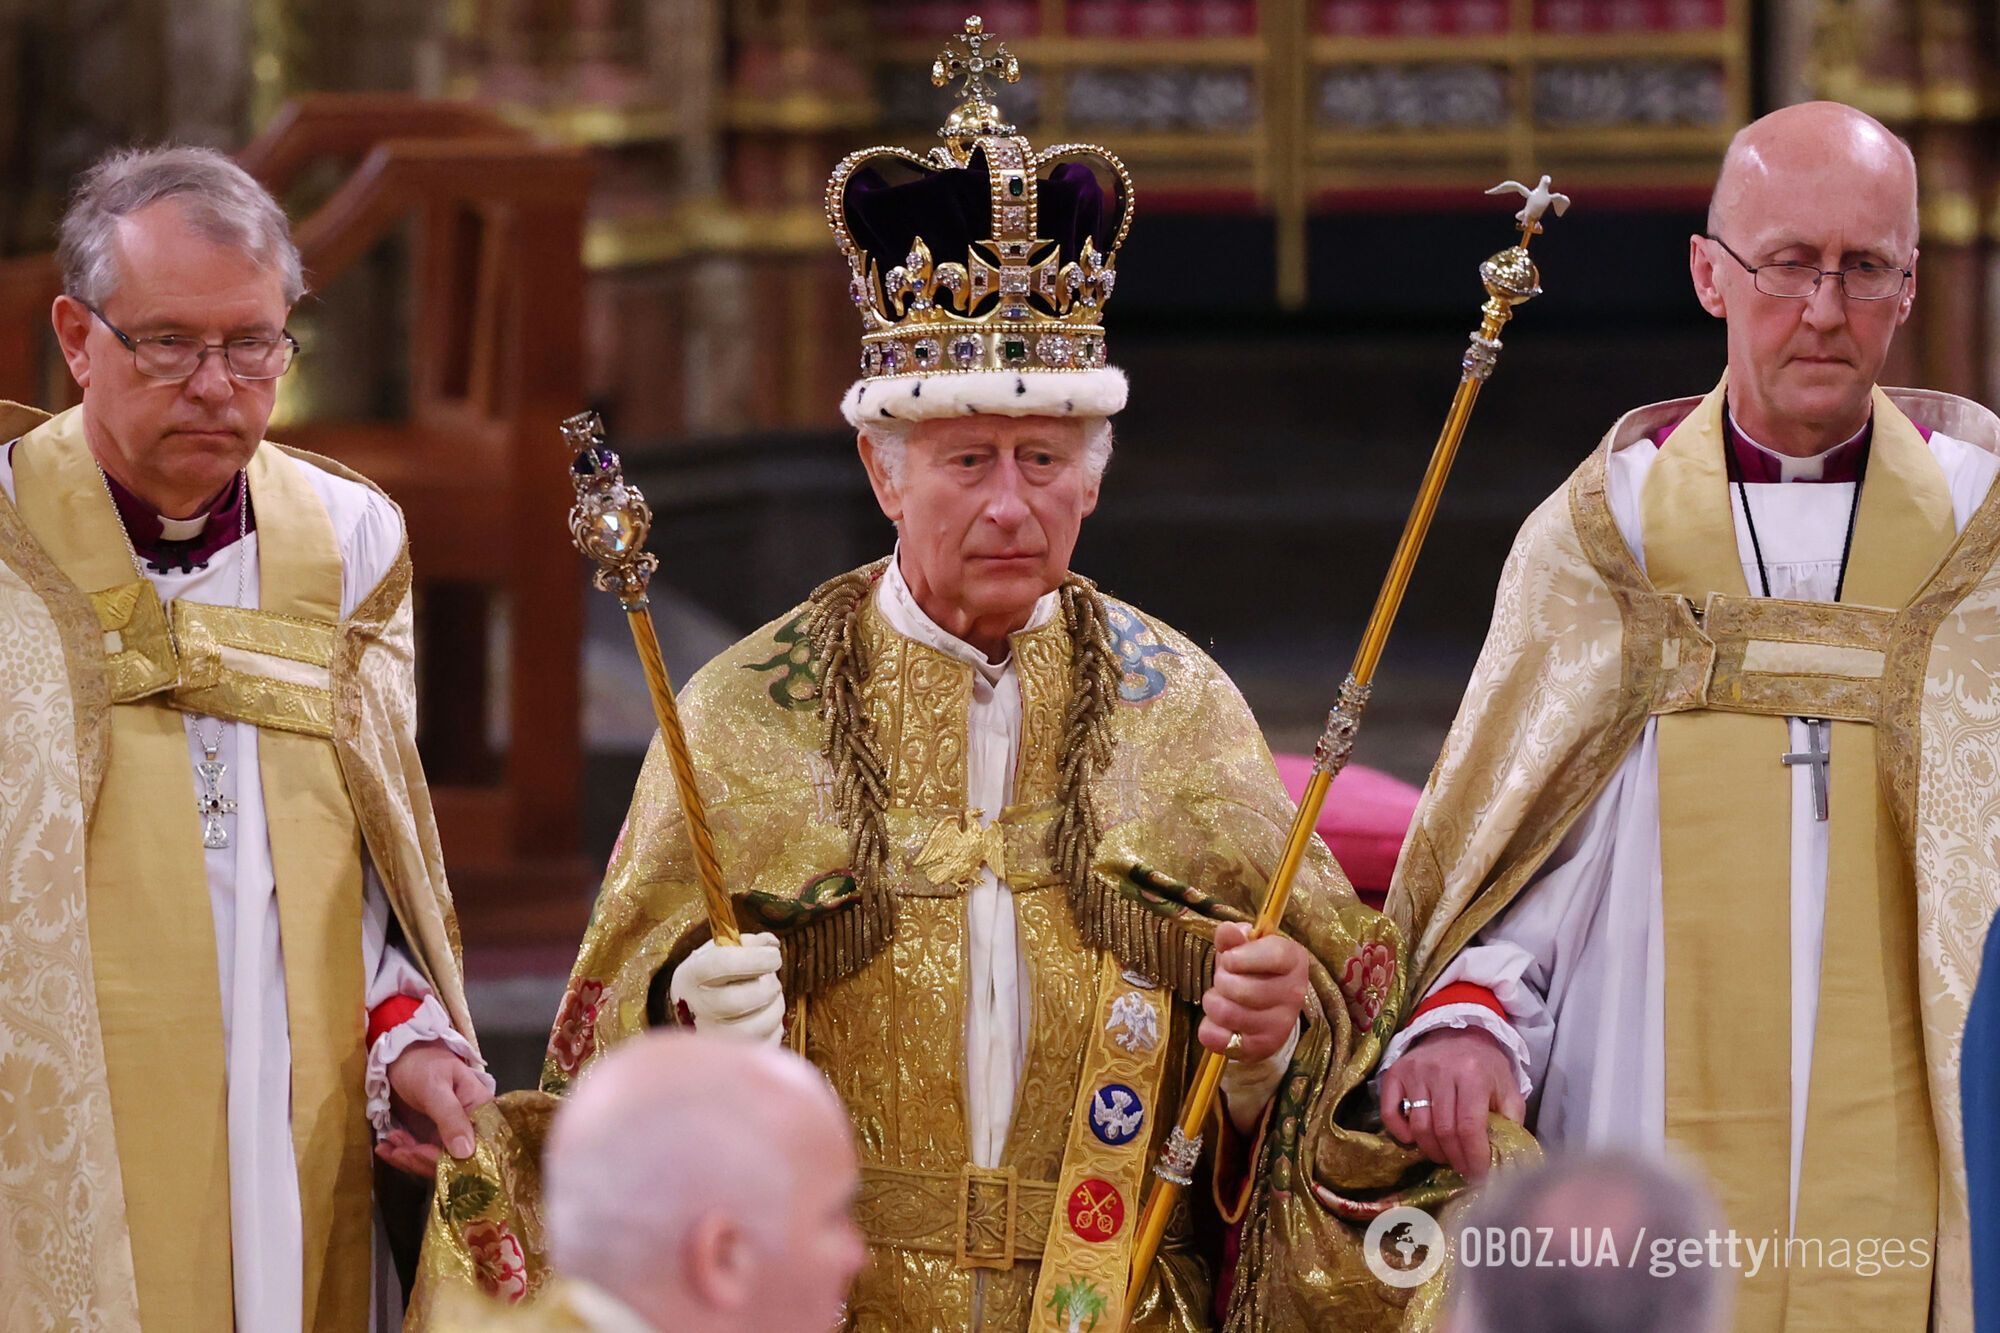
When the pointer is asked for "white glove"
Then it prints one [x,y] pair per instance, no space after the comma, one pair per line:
[732,991]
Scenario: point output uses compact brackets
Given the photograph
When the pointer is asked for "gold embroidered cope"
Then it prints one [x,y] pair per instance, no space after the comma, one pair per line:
[107,919]
[1193,818]
[1585,647]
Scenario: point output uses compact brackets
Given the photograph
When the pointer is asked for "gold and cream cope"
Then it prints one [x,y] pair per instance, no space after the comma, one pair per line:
[114,886]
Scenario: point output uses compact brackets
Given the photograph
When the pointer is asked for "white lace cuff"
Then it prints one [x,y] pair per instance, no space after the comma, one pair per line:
[1465,1016]
[429,1023]
[1248,1088]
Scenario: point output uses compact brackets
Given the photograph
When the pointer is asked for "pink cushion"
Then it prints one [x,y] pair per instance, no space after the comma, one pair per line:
[1367,813]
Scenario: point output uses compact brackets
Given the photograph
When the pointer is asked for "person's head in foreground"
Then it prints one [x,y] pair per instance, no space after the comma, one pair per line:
[705,1184]
[1593,1208]
[1811,256]
[178,273]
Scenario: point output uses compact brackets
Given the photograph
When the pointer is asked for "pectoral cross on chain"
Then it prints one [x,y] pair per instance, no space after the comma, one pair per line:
[1819,757]
[211,804]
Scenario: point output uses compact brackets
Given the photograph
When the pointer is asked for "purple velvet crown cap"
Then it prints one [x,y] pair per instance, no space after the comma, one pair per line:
[951,209]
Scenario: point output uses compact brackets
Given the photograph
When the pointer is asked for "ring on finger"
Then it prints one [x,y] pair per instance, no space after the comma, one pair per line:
[1234,1050]
[1407,1106]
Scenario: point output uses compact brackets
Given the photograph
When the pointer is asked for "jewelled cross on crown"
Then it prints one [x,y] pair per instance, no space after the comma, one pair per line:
[972,55]
[1012,182]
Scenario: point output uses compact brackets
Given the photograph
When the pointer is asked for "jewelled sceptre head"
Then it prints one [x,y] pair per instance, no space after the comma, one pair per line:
[609,523]
[1510,278]
[610,519]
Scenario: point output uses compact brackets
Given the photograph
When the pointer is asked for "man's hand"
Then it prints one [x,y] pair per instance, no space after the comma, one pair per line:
[1259,991]
[432,1093]
[1463,1073]
[732,990]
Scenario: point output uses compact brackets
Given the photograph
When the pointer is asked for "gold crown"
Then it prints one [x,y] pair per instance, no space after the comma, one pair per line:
[956,300]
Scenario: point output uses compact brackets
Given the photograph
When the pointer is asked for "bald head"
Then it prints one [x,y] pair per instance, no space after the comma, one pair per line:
[1811,257]
[681,1076]
[696,1179]
[1806,146]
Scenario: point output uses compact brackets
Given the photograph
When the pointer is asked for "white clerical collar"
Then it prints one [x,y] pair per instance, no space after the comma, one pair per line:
[183,529]
[908,619]
[602,1312]
[1790,468]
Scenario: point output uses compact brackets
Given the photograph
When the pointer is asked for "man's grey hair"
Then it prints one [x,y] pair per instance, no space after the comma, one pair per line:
[221,200]
[892,440]
[1645,1207]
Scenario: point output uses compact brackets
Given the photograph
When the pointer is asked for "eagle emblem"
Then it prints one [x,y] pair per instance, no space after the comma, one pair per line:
[1133,1024]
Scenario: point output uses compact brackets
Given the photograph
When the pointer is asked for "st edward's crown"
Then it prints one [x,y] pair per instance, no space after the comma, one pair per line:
[981,269]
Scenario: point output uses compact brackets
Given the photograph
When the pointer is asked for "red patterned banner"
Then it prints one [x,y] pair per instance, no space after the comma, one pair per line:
[1413,18]
[1630,15]
[1162,19]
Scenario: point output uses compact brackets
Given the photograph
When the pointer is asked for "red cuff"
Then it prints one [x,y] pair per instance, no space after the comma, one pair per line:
[1235,1160]
[1225,1277]
[1236,1157]
[1462,992]
[391,1014]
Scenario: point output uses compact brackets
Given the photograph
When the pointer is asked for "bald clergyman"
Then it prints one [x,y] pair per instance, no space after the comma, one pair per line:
[1708,858]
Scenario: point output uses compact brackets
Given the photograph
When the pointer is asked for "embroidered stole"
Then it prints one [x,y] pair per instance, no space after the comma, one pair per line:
[1869,1164]
[153,944]
[1049,1230]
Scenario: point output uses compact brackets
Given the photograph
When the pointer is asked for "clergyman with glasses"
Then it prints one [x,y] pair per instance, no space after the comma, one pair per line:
[228,971]
[1707,860]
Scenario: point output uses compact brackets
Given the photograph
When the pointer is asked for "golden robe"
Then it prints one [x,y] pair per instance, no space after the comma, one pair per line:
[113,1153]
[1585,648]
[1193,817]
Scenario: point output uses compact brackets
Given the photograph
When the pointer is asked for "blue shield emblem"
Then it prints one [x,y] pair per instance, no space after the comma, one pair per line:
[1116,1115]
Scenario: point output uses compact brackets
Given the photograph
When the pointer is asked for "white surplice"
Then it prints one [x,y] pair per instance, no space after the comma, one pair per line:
[997,1009]
[266,1230]
[601,1312]
[1578,959]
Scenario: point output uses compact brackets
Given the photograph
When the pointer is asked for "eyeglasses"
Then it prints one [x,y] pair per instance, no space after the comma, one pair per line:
[1797,282]
[175,356]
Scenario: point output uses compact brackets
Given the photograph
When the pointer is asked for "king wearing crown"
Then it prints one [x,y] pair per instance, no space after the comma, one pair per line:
[993,837]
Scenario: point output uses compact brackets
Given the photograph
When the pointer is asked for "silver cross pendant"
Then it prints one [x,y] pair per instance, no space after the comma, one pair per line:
[211,804]
[1817,755]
